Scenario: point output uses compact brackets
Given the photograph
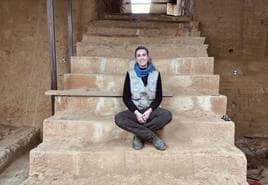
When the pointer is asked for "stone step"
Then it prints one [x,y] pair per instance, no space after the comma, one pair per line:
[192,25]
[137,40]
[147,17]
[146,179]
[81,127]
[179,66]
[118,158]
[109,106]
[156,51]
[148,32]
[176,84]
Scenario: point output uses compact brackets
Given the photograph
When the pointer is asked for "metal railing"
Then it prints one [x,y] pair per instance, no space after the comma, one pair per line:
[52,43]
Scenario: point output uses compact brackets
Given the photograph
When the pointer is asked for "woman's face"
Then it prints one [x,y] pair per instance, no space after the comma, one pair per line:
[142,58]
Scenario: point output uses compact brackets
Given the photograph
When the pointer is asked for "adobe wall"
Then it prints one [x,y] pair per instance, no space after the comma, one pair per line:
[24,66]
[236,31]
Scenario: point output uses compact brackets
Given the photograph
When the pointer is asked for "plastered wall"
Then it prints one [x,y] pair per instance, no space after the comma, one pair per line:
[24,66]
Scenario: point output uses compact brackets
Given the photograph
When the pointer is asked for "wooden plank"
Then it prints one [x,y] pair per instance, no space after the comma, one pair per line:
[90,93]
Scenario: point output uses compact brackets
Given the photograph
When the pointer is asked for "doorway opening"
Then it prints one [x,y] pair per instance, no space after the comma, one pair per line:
[140,6]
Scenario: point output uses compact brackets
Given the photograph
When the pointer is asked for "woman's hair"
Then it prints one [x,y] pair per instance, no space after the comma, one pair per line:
[147,51]
[141,47]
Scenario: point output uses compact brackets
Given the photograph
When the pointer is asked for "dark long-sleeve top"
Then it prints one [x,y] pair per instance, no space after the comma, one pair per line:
[127,93]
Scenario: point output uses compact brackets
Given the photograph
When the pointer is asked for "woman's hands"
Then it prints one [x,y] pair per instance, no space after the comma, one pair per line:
[139,117]
[142,118]
[146,114]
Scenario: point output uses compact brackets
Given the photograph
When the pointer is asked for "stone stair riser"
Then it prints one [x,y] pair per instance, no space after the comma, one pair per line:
[143,24]
[155,51]
[177,85]
[149,18]
[106,106]
[76,131]
[180,163]
[142,40]
[179,66]
[142,32]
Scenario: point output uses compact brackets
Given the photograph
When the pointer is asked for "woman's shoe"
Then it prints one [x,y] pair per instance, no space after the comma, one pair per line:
[137,143]
[158,143]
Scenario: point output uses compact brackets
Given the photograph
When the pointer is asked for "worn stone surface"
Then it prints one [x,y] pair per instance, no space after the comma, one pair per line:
[193,25]
[119,158]
[156,51]
[81,126]
[105,106]
[139,40]
[180,66]
[175,84]
[155,178]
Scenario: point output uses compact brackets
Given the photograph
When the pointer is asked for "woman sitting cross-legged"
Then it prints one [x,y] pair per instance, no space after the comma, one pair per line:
[142,95]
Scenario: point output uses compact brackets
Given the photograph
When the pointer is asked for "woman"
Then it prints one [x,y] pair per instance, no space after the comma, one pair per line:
[142,95]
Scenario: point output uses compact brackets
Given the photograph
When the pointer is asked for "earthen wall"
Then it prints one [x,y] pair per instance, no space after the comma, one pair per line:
[24,65]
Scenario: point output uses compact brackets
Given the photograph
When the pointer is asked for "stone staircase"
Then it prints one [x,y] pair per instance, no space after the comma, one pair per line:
[82,145]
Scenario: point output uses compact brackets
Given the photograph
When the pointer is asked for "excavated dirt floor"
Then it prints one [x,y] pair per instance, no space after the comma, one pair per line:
[5,131]
[17,172]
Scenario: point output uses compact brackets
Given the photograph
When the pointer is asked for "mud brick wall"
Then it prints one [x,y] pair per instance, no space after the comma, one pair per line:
[234,28]
[236,31]
[24,66]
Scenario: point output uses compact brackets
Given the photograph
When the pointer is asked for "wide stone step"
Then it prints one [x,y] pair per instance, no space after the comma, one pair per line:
[118,158]
[148,32]
[147,17]
[193,25]
[137,40]
[145,178]
[179,66]
[176,84]
[81,126]
[109,106]
[156,51]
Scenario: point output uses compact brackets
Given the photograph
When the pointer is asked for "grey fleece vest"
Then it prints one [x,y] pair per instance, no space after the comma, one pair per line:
[143,96]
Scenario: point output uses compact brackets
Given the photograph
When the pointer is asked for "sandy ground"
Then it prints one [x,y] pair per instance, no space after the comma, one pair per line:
[17,172]
[264,181]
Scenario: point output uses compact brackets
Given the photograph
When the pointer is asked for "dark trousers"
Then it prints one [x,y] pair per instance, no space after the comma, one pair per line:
[158,119]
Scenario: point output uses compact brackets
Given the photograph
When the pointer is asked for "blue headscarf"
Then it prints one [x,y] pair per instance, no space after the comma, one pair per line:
[143,72]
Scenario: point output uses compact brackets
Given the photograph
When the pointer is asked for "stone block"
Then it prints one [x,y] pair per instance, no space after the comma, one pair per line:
[108,106]
[144,24]
[76,127]
[175,84]
[139,40]
[179,66]
[148,32]
[156,51]
[118,158]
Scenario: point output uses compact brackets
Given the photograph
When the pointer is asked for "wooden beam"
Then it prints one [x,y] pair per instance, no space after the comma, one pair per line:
[70,30]
[52,49]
